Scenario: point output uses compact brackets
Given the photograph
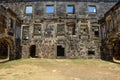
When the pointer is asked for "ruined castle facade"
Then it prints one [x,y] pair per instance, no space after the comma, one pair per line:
[53,29]
[110,34]
[10,26]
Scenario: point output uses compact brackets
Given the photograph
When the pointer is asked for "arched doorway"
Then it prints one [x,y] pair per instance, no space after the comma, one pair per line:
[7,48]
[4,51]
[33,51]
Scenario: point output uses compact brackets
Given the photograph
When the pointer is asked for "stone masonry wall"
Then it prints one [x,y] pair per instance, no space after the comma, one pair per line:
[77,33]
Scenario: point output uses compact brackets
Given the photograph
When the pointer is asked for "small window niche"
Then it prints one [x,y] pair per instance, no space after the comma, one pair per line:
[49,31]
[11,23]
[49,9]
[91,53]
[96,33]
[83,29]
[71,28]
[37,29]
[92,9]
[28,10]
[25,33]
[70,9]
[60,29]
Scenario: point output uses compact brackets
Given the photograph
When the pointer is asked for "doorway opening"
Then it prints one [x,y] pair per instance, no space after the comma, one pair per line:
[116,51]
[4,51]
[60,51]
[33,51]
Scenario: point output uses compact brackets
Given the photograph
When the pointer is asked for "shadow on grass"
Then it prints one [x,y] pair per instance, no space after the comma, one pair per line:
[4,61]
[110,60]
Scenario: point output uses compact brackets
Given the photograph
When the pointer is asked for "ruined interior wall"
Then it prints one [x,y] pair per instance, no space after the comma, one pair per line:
[110,29]
[49,35]
[7,42]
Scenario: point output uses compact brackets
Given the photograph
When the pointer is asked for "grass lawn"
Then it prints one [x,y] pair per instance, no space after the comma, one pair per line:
[59,69]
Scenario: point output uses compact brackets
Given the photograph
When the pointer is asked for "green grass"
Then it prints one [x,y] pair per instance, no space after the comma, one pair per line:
[47,62]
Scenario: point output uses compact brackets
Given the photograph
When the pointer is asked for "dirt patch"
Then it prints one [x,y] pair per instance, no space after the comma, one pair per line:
[59,69]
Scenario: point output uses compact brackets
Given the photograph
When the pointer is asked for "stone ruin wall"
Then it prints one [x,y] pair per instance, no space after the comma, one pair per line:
[43,29]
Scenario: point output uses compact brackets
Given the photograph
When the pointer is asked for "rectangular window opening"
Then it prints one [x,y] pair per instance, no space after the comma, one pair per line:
[73,32]
[71,28]
[28,10]
[11,24]
[70,9]
[96,34]
[50,9]
[37,29]
[25,33]
[91,52]
[92,9]
[60,29]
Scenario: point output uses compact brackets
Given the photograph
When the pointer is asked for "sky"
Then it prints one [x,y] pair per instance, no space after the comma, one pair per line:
[92,9]
[70,9]
[29,9]
[50,9]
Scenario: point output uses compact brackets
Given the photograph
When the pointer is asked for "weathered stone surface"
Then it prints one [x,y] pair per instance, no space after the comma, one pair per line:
[9,34]
[110,34]
[76,33]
